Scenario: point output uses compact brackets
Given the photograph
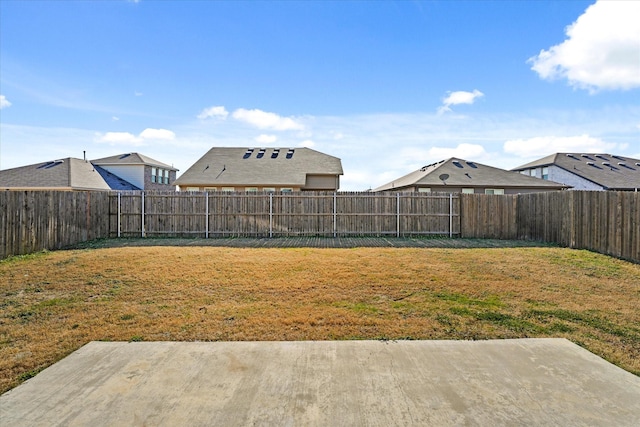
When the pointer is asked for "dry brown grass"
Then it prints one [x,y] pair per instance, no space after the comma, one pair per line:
[53,303]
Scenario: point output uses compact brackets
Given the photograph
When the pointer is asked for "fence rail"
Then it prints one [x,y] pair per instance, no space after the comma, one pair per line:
[606,222]
[220,214]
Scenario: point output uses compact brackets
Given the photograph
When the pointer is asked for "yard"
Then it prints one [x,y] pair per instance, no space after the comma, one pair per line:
[52,303]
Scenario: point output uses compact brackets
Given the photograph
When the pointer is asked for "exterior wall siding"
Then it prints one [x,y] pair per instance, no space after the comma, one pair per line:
[565,177]
[135,174]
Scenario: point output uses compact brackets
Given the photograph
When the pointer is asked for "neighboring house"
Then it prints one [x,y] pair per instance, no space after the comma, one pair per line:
[461,176]
[587,171]
[63,174]
[262,169]
[142,171]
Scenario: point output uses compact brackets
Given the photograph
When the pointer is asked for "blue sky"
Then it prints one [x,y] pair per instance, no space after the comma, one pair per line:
[387,86]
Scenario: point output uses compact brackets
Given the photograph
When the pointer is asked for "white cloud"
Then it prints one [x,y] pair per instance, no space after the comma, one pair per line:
[163,134]
[216,112]
[136,93]
[459,97]
[266,139]
[4,102]
[115,119]
[464,151]
[602,49]
[127,138]
[307,143]
[544,145]
[120,138]
[265,120]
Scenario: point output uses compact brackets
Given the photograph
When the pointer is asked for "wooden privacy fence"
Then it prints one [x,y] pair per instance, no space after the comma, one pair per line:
[219,214]
[31,221]
[603,221]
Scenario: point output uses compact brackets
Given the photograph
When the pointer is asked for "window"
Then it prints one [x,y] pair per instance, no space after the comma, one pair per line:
[545,173]
[248,153]
[286,190]
[166,176]
[534,172]
[290,153]
[193,189]
[260,153]
[228,189]
[468,191]
[269,189]
[424,190]
[275,153]
[154,173]
[494,191]
[251,189]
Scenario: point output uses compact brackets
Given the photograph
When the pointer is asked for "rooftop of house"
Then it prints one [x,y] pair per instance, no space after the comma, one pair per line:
[259,166]
[69,173]
[457,172]
[131,159]
[607,170]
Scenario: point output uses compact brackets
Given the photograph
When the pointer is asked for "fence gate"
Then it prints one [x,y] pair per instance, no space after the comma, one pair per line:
[257,214]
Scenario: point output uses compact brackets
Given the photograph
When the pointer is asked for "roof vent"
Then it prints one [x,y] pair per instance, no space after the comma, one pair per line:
[290,153]
[49,165]
[248,153]
[572,156]
[606,163]
[590,163]
[261,153]
[124,156]
[275,153]
[602,157]
[618,157]
[586,156]
[473,165]
[457,164]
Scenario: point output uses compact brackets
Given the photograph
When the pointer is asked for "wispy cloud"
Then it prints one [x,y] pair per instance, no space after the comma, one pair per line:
[265,120]
[127,138]
[218,112]
[602,49]
[459,97]
[266,139]
[4,102]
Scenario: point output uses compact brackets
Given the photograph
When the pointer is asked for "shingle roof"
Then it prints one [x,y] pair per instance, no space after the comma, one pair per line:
[246,166]
[607,170]
[131,159]
[69,173]
[66,174]
[462,173]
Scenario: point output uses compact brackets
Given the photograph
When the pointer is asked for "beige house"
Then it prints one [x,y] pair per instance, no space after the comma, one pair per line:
[262,169]
[462,176]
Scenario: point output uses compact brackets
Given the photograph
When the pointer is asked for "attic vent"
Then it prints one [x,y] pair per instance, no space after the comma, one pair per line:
[248,153]
[618,157]
[457,164]
[290,153]
[572,156]
[124,156]
[622,164]
[637,164]
[602,157]
[590,164]
[473,165]
[606,163]
[586,156]
[261,153]
[49,165]
[275,153]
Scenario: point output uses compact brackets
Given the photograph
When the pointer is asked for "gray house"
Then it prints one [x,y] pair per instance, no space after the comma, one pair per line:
[462,176]
[587,171]
[142,171]
[262,169]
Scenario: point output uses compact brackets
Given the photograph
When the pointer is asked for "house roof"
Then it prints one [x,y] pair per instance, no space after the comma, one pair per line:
[607,170]
[131,159]
[457,172]
[68,174]
[259,166]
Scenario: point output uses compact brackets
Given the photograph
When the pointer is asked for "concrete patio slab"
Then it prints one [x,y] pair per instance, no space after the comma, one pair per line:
[373,383]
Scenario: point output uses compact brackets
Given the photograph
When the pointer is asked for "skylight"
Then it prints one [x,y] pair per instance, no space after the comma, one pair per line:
[261,153]
[457,164]
[248,153]
[473,165]
[290,153]
[275,153]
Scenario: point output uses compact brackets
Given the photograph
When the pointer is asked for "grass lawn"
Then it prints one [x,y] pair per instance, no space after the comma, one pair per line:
[52,303]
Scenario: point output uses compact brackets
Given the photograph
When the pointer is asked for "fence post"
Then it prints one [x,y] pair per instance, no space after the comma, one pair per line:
[397,214]
[450,215]
[206,215]
[335,214]
[270,215]
[119,212]
[142,209]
